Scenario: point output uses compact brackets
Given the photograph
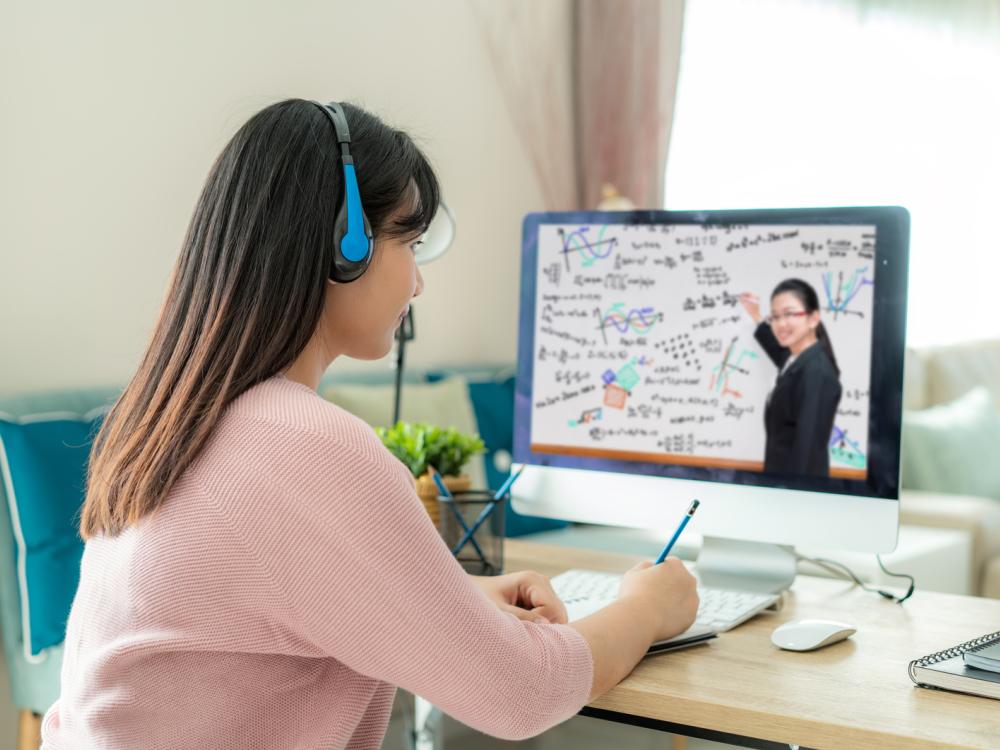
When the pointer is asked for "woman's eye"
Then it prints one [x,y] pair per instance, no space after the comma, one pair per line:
[415,245]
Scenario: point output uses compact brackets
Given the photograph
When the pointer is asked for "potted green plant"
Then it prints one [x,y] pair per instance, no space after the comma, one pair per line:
[419,446]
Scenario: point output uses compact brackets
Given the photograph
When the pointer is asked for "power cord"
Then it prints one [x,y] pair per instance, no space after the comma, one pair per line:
[841,570]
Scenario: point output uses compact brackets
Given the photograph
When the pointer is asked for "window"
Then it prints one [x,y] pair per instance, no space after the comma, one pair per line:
[784,104]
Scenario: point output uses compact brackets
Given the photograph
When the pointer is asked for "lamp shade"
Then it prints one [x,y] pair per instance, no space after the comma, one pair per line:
[438,237]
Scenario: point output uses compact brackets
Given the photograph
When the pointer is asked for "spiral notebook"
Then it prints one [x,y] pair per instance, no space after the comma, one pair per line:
[947,670]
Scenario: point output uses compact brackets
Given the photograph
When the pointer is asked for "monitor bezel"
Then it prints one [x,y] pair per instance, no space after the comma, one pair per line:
[888,346]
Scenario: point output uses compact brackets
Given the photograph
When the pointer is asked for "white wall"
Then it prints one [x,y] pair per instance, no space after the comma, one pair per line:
[112,113]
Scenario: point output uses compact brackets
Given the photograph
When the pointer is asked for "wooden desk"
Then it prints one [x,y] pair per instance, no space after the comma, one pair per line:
[854,694]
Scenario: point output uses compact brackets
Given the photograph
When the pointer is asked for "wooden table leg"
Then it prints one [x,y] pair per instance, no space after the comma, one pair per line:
[29,730]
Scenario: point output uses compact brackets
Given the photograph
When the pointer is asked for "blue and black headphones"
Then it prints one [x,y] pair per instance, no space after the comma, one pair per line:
[354,242]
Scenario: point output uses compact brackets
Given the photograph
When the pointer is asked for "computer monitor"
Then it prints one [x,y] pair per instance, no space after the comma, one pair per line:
[644,380]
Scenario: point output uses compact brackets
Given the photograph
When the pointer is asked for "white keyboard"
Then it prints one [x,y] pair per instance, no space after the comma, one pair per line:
[586,591]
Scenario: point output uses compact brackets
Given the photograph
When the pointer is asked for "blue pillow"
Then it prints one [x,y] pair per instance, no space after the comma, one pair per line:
[43,461]
[493,403]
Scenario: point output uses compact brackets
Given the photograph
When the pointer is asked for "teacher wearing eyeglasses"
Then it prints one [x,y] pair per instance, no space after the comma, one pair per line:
[800,409]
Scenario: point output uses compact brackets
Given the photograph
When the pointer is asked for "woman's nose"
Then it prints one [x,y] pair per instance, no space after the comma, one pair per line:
[420,283]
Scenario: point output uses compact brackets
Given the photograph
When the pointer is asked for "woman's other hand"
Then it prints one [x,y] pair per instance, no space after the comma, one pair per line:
[751,303]
[526,595]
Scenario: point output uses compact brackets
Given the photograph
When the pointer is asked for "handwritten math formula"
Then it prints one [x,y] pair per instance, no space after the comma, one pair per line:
[643,346]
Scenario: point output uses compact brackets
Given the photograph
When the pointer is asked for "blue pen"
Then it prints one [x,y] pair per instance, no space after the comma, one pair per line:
[673,539]
[484,514]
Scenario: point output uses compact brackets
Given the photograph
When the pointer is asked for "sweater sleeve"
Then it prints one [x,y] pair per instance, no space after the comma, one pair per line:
[362,575]
[817,396]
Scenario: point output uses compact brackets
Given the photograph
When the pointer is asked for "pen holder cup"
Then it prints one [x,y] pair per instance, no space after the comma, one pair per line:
[472,525]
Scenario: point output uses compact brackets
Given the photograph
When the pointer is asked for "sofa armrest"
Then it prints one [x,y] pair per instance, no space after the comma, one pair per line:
[979,516]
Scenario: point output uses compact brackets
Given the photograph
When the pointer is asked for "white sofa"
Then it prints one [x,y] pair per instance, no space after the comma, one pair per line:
[938,375]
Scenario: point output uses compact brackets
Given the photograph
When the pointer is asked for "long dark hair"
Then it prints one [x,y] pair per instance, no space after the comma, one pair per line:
[807,296]
[247,290]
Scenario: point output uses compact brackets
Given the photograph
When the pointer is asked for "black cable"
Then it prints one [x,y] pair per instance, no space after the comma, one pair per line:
[837,568]
[909,591]
[405,332]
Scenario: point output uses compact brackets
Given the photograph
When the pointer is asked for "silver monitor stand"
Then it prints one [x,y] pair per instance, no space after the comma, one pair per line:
[743,565]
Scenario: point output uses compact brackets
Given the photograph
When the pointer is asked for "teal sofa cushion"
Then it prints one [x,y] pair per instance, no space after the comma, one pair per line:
[493,402]
[43,461]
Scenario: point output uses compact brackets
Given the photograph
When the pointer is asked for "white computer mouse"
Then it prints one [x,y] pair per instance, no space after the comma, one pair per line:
[806,635]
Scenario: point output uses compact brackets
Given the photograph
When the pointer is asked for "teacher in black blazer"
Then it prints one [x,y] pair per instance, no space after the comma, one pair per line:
[799,413]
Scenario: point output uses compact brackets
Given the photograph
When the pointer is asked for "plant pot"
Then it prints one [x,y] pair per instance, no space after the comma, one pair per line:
[428,492]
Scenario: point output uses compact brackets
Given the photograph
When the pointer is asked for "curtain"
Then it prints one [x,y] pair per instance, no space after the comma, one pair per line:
[529,44]
[590,87]
[626,58]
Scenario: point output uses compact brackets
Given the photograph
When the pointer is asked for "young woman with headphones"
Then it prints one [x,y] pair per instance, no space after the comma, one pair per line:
[258,569]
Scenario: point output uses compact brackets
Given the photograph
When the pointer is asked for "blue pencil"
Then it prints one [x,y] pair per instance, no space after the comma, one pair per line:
[484,514]
[443,489]
[439,482]
[505,487]
[673,539]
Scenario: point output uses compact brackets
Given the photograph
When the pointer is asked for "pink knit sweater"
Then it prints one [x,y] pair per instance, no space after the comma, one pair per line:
[289,581]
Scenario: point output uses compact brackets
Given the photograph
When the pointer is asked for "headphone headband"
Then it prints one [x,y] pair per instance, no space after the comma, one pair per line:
[354,242]
[334,111]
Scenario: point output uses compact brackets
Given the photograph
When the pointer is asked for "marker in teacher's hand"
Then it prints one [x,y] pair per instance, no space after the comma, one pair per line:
[673,539]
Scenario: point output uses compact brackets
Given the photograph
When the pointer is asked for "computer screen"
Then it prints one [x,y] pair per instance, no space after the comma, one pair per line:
[748,348]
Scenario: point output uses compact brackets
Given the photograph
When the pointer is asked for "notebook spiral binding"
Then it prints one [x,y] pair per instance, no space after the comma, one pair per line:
[949,653]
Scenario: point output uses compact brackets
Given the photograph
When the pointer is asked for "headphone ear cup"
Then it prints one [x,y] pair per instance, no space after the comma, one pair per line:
[353,241]
[344,270]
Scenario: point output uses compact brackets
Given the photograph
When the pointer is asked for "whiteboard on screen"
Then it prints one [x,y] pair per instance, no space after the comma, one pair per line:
[642,350]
